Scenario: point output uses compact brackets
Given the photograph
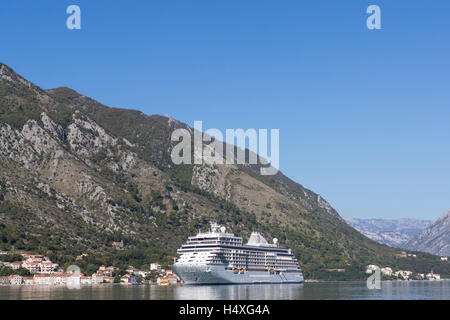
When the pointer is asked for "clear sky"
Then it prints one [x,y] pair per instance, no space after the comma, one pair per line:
[364,115]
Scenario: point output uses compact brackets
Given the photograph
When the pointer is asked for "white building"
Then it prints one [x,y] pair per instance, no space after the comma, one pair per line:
[405,274]
[43,279]
[433,276]
[15,265]
[97,278]
[15,280]
[444,258]
[155,267]
[48,267]
[132,270]
[86,280]
[387,271]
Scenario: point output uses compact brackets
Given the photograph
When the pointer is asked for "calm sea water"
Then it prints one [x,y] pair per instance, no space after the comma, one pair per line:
[311,291]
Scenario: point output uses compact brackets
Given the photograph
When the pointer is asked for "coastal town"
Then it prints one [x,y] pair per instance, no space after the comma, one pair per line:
[404,274]
[42,271]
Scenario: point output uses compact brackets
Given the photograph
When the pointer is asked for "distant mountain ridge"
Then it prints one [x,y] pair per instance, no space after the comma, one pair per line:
[392,232]
[434,239]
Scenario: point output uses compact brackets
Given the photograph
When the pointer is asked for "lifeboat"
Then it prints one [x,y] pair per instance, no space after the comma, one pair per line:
[236,270]
[241,271]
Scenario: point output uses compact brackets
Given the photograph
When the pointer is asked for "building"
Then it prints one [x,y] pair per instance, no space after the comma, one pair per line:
[48,267]
[335,270]
[128,279]
[86,280]
[155,267]
[15,265]
[29,281]
[80,257]
[33,267]
[39,264]
[4,280]
[444,258]
[110,270]
[433,276]
[118,245]
[43,279]
[59,278]
[144,274]
[107,271]
[15,280]
[386,271]
[405,274]
[133,270]
[98,278]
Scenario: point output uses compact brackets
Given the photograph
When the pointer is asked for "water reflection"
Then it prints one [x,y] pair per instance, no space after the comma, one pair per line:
[310,291]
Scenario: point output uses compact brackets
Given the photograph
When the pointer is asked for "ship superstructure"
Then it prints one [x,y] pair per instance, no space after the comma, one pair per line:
[218,257]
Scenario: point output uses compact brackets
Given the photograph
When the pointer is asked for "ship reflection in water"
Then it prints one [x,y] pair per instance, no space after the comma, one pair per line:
[309,291]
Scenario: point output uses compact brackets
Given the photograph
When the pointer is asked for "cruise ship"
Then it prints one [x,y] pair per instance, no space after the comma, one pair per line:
[218,257]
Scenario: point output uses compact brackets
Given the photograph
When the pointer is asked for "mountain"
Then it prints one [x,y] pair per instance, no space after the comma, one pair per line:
[76,176]
[391,232]
[434,239]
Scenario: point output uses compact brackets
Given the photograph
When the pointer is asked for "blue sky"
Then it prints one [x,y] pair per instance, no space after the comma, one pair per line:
[363,115]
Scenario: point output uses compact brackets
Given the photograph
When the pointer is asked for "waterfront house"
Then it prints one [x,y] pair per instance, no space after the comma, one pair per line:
[444,258]
[387,271]
[28,281]
[60,278]
[15,280]
[4,280]
[433,276]
[43,279]
[405,274]
[97,278]
[128,279]
[86,280]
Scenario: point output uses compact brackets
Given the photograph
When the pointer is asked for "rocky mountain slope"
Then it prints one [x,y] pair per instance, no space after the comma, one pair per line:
[434,239]
[392,232]
[76,175]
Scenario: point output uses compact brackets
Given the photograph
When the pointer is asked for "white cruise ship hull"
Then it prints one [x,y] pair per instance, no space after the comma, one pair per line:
[218,274]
